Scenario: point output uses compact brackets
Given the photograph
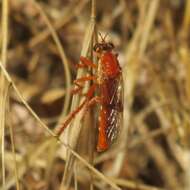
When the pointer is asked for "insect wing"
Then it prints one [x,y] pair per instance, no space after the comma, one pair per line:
[115,111]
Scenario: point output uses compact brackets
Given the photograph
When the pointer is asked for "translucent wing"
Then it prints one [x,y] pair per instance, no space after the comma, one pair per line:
[115,108]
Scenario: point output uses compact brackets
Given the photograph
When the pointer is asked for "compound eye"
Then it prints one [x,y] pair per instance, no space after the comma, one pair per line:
[111,46]
[97,48]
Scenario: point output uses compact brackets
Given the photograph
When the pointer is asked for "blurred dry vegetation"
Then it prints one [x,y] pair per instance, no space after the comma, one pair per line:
[42,43]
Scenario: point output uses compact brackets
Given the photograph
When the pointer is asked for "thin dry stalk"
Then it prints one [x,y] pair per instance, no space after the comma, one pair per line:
[186,19]
[149,20]
[3,104]
[13,149]
[3,85]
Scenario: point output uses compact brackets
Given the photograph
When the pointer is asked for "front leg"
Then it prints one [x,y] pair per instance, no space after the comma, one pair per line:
[86,63]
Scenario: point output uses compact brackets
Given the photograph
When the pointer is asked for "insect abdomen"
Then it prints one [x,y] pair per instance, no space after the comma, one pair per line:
[102,139]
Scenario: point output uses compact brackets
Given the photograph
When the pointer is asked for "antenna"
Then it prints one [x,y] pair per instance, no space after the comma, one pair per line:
[103,38]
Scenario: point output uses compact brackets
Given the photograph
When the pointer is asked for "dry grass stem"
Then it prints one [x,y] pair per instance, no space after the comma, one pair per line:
[13,149]
[4,93]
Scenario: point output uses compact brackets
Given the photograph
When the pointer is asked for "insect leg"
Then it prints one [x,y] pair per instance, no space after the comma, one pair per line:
[81,80]
[78,89]
[86,63]
[94,100]
[70,117]
[84,79]
[102,139]
[77,110]
[91,102]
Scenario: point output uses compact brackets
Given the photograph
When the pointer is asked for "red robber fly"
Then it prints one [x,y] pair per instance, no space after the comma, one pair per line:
[108,87]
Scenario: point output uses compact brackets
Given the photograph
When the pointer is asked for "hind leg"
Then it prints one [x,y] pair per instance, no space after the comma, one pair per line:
[72,115]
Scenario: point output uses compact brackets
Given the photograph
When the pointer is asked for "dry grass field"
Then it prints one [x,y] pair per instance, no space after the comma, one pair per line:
[41,43]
